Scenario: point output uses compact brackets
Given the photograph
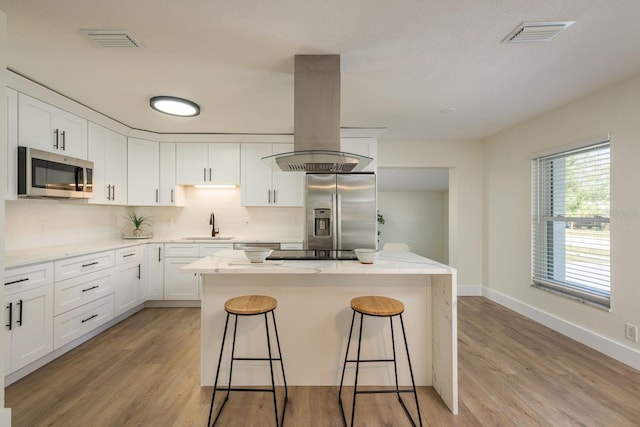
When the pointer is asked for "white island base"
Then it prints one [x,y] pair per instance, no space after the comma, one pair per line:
[314,314]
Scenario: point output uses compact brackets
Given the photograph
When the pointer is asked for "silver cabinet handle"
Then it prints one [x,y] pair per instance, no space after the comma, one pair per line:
[113,192]
[204,177]
[91,288]
[90,264]
[64,145]
[275,201]
[269,196]
[172,195]
[156,195]
[159,251]
[209,174]
[56,133]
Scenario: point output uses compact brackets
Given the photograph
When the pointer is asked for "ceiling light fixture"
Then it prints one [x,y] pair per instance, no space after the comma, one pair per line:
[174,106]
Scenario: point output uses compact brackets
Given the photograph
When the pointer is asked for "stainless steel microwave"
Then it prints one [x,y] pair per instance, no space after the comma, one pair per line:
[44,174]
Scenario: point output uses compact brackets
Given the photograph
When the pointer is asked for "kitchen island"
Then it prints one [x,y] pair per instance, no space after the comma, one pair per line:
[314,315]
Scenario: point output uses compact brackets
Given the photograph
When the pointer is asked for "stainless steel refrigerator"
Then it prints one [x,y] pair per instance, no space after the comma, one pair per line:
[341,211]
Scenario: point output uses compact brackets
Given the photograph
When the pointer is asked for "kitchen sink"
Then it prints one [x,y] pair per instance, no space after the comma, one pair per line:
[209,238]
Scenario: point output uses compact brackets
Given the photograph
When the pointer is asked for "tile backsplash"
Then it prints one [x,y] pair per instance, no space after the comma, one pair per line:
[32,223]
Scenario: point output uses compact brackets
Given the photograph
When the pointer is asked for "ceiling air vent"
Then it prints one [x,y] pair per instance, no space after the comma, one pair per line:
[537,31]
[111,38]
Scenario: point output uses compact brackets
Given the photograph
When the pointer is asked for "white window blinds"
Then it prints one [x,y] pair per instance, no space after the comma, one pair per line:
[570,233]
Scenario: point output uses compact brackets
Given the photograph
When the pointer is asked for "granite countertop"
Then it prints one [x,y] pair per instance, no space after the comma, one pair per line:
[388,262]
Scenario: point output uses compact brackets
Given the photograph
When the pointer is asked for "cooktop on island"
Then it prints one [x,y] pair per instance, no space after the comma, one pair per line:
[312,254]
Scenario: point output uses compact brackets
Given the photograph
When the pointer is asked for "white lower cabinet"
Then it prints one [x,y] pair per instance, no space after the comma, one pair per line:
[30,333]
[73,293]
[127,279]
[28,313]
[179,285]
[207,249]
[75,323]
[76,266]
[154,267]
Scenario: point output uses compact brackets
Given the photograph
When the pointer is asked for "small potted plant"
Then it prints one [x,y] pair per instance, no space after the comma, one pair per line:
[137,221]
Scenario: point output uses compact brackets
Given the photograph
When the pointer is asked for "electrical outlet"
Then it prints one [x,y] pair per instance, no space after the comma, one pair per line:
[631,332]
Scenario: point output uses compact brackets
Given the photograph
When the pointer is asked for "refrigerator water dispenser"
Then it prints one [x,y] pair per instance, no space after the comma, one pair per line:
[322,222]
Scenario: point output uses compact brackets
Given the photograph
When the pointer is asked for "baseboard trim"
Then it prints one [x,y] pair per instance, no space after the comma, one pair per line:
[469,290]
[171,303]
[604,345]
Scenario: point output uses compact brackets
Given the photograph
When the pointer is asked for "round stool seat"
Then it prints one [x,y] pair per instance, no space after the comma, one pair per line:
[377,306]
[250,304]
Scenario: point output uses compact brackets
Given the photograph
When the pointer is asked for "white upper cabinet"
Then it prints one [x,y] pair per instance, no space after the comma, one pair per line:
[170,193]
[48,128]
[143,162]
[207,163]
[363,146]
[262,186]
[12,144]
[108,152]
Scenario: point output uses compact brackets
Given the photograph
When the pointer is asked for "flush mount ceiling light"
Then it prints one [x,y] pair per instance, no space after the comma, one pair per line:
[537,31]
[174,106]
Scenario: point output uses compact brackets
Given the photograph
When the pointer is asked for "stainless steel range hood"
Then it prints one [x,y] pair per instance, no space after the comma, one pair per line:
[317,120]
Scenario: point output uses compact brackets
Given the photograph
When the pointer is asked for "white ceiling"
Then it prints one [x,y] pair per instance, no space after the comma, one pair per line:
[403,61]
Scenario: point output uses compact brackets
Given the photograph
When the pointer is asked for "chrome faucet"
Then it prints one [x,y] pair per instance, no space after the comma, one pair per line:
[212,223]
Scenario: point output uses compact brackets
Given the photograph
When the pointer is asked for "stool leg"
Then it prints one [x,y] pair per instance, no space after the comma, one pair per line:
[344,367]
[355,385]
[284,378]
[233,352]
[273,383]
[413,383]
[395,364]
[215,383]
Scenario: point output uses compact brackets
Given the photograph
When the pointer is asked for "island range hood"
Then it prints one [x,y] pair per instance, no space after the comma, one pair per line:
[316,139]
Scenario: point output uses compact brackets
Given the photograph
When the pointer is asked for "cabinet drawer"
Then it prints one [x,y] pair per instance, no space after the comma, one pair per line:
[76,266]
[207,249]
[181,249]
[285,246]
[127,255]
[72,293]
[75,323]
[29,277]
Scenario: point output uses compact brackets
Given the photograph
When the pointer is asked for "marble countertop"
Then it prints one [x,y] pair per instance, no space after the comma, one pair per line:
[22,257]
[13,259]
[388,262]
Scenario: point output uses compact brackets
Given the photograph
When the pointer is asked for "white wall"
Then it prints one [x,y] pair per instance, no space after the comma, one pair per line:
[507,217]
[464,160]
[39,223]
[417,219]
[5,414]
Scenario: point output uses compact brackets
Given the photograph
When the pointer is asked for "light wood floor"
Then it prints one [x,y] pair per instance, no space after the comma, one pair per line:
[512,371]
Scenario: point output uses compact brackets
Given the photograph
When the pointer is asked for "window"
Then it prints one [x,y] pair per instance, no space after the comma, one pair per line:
[570,233]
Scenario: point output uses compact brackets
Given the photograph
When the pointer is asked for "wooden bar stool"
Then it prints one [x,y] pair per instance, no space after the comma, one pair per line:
[377,306]
[250,305]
